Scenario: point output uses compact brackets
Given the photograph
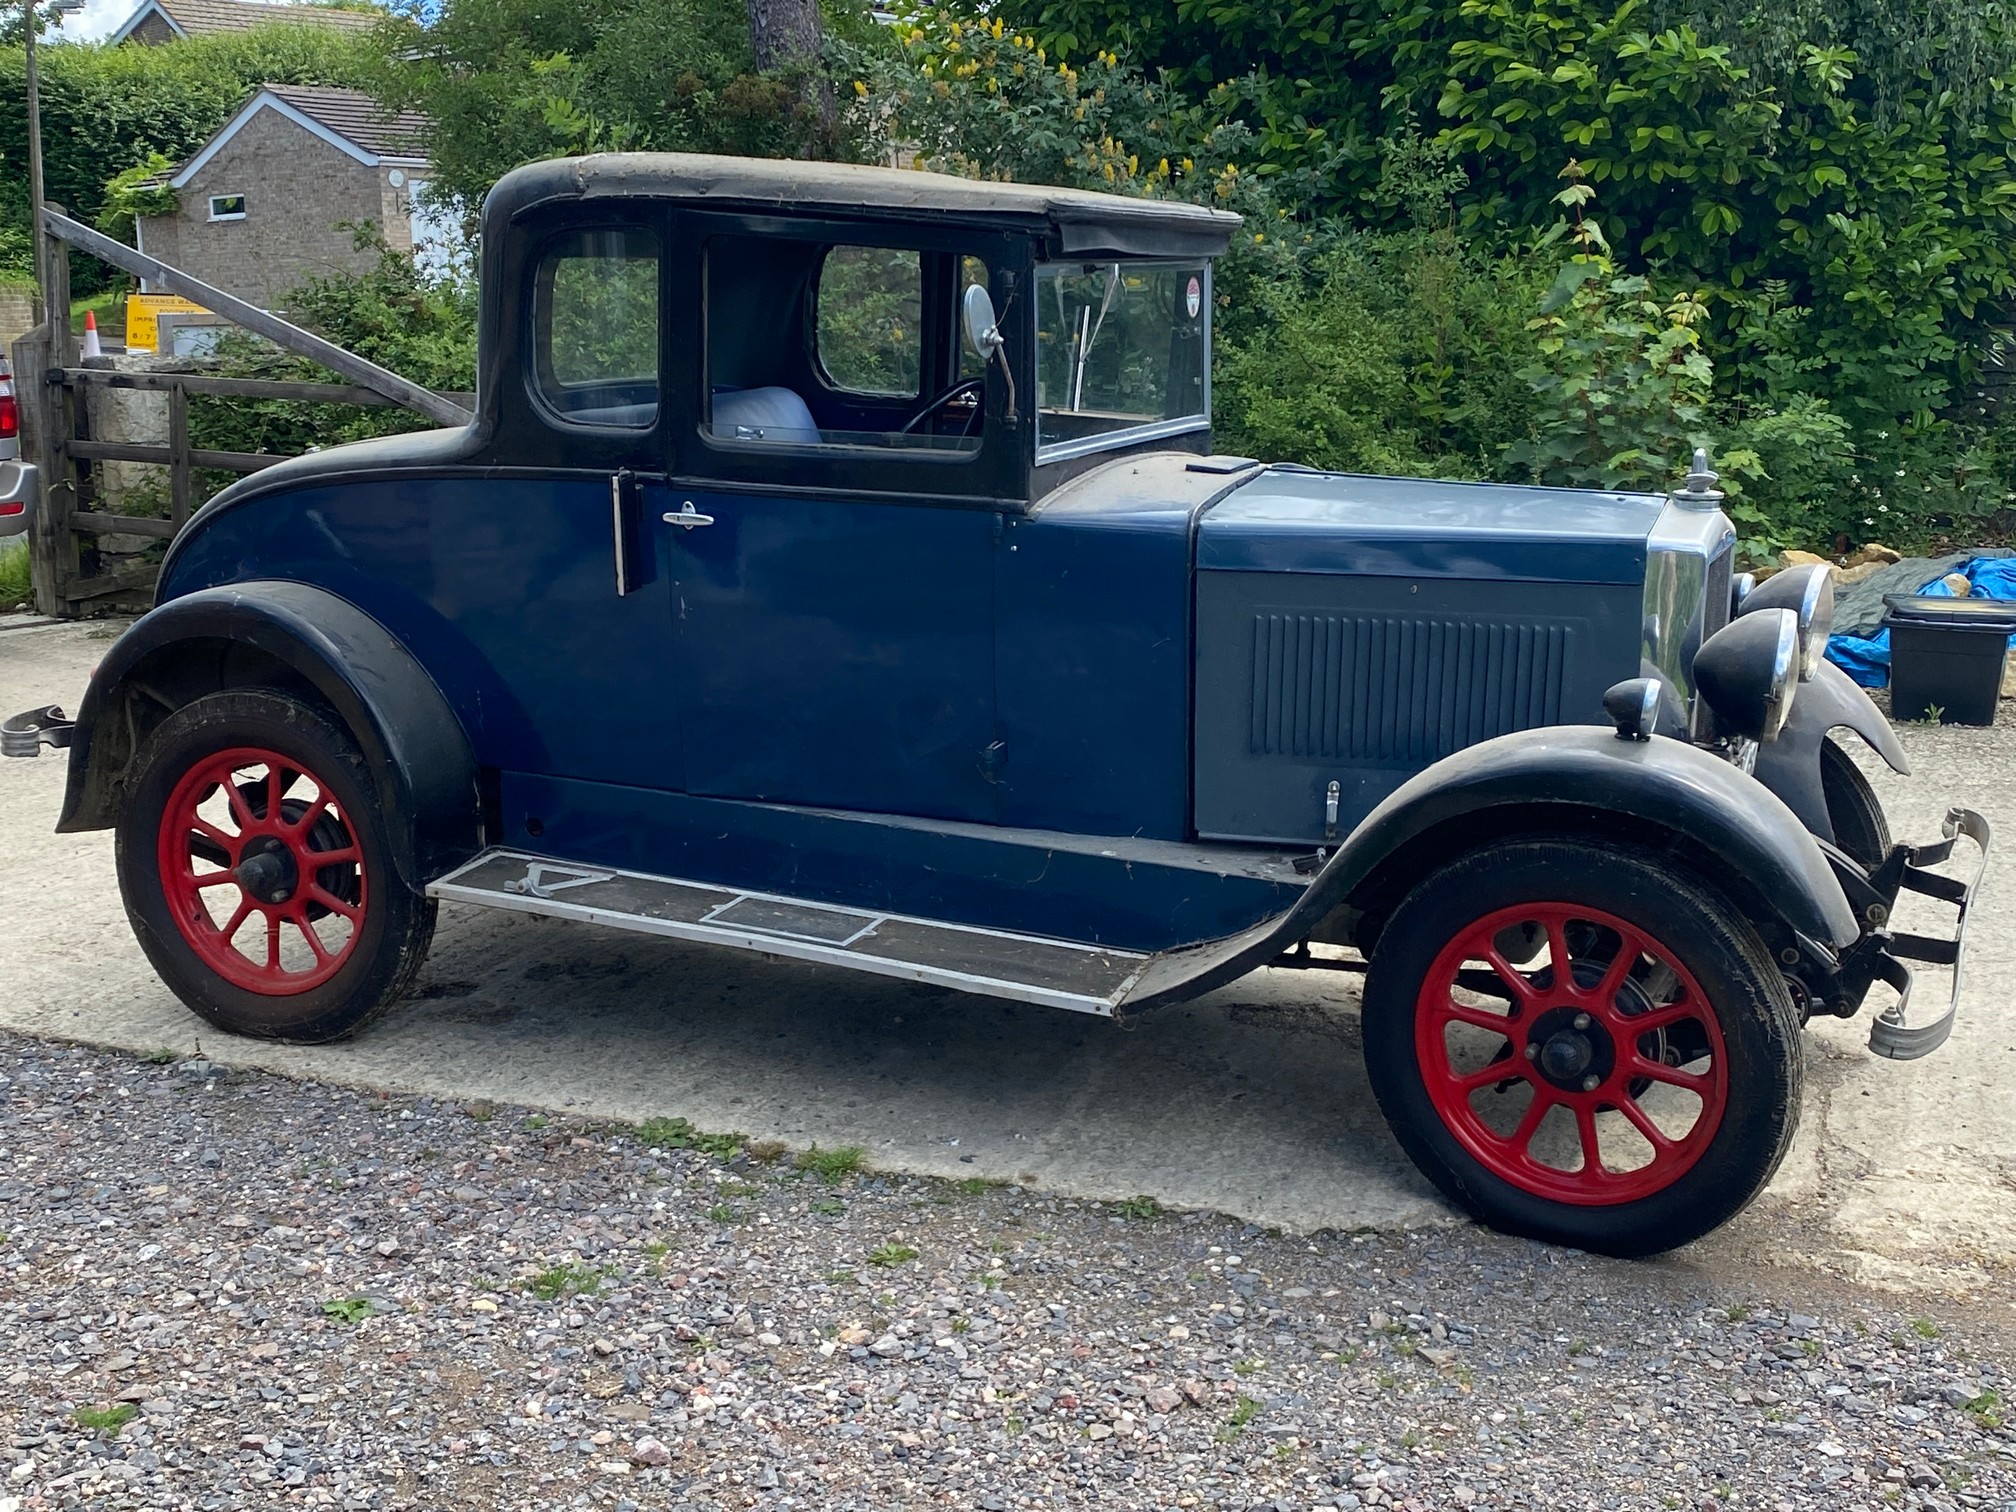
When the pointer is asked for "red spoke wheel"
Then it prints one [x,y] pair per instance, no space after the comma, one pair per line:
[1581,1044]
[256,868]
[262,874]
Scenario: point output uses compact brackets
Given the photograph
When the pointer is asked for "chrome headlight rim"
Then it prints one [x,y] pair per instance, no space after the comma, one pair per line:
[1808,592]
[1748,671]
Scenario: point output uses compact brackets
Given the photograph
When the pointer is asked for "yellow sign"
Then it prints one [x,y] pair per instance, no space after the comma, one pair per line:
[143,312]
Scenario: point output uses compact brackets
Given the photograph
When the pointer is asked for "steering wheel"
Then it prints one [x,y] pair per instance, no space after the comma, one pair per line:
[963,386]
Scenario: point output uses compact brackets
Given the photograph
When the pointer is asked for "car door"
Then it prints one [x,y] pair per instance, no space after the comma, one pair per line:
[831,576]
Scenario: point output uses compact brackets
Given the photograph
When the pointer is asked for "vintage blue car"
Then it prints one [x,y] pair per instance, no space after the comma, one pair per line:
[838,567]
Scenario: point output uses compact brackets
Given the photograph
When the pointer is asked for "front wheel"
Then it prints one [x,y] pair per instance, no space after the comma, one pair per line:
[255,863]
[1628,1087]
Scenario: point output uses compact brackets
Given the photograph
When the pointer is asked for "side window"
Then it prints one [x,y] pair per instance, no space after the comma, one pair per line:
[871,312]
[595,327]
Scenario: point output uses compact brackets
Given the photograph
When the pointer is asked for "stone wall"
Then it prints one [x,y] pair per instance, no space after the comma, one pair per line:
[16,314]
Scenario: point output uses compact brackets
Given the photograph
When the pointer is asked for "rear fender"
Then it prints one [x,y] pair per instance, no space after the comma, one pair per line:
[1659,794]
[1790,765]
[305,640]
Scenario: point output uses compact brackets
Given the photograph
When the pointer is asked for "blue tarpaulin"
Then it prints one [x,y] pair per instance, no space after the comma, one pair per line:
[1867,658]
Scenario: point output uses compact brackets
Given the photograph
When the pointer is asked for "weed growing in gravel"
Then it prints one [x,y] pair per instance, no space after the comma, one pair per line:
[162,1057]
[886,1255]
[106,1420]
[567,1279]
[1925,1328]
[828,1207]
[348,1309]
[727,1212]
[977,1186]
[840,1278]
[767,1150]
[1246,1367]
[962,1325]
[830,1166]
[678,1134]
[737,1189]
[537,1121]
[1986,1410]
[1739,1314]
[482,1112]
[1143,1207]
[1243,1412]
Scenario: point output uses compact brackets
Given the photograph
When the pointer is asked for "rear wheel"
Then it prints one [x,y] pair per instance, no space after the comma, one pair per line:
[1626,1088]
[256,870]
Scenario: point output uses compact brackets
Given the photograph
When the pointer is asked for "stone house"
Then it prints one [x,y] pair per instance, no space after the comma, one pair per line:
[161,21]
[258,208]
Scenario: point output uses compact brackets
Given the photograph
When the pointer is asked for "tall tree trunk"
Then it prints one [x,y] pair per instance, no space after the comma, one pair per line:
[786,36]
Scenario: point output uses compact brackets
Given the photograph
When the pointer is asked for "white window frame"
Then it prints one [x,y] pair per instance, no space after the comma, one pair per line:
[236,215]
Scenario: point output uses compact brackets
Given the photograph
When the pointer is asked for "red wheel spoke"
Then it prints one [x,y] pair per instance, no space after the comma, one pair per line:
[1480,1018]
[1673,1077]
[210,879]
[211,832]
[1638,1025]
[1529,1123]
[1660,1141]
[315,810]
[330,901]
[1557,951]
[272,942]
[314,940]
[276,787]
[1498,1071]
[1592,1153]
[1614,976]
[1522,987]
[318,859]
[237,918]
[240,810]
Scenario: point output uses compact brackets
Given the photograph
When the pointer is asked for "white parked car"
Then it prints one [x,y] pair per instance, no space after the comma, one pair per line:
[20,482]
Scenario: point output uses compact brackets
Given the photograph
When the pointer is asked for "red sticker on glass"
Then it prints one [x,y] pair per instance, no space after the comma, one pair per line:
[1193,297]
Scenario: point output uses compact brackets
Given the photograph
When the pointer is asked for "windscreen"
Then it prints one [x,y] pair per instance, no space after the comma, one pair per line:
[1119,346]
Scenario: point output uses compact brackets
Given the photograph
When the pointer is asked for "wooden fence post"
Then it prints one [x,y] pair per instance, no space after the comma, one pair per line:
[178,447]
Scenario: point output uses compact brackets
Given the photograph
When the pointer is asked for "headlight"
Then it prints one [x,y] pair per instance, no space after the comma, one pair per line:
[1748,671]
[1808,592]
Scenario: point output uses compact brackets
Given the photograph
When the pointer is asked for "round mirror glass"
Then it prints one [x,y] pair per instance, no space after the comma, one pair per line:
[976,317]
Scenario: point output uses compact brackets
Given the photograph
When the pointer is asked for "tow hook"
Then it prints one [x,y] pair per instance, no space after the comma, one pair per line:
[26,734]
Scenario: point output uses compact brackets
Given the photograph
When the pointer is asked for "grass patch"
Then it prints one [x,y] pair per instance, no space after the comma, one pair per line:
[1142,1208]
[16,587]
[1925,1328]
[107,1420]
[567,1279]
[828,1207]
[678,1134]
[727,1212]
[888,1255]
[348,1309]
[1986,1410]
[978,1186]
[1243,1412]
[834,1165]
[537,1121]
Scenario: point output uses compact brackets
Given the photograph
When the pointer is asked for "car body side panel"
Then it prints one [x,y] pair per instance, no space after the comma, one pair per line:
[502,586]
[1130,897]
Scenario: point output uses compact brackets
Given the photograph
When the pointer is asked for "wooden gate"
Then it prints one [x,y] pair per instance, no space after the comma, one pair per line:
[53,387]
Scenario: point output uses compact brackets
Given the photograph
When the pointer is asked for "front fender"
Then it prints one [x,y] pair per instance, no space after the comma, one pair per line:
[298,635]
[1790,765]
[1573,778]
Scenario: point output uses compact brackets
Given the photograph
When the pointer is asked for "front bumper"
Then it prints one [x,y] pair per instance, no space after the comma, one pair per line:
[1881,954]
[20,495]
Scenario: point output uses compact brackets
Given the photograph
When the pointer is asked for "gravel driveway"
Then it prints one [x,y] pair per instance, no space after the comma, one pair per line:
[300,1295]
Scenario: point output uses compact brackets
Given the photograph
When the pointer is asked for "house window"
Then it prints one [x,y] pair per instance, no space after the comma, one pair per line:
[227,207]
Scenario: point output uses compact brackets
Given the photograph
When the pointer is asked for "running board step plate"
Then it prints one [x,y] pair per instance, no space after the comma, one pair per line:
[1055,973]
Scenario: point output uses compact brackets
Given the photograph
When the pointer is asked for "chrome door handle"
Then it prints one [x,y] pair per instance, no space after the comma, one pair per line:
[686,517]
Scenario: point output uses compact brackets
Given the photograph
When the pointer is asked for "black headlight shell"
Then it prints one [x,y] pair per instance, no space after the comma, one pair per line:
[1748,671]
[1808,591]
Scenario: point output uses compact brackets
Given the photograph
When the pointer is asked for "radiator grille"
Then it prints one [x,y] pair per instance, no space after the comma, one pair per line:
[1404,689]
[1721,582]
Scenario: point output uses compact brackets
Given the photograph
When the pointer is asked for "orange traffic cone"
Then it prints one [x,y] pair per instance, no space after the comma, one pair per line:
[91,346]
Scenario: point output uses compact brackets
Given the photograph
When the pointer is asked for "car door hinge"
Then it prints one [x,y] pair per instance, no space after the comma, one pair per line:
[624,494]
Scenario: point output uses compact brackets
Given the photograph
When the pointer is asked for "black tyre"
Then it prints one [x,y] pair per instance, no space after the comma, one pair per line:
[1852,807]
[1626,1105]
[255,868]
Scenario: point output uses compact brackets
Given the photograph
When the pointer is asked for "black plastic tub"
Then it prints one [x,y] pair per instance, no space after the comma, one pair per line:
[1946,656]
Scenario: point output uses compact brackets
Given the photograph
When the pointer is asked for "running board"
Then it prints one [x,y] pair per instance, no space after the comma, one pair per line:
[1055,973]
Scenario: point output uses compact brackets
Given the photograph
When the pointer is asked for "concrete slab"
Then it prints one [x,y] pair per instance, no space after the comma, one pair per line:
[1252,1101]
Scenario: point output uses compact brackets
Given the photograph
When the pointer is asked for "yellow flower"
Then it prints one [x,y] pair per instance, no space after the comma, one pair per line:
[1162,168]
[860,89]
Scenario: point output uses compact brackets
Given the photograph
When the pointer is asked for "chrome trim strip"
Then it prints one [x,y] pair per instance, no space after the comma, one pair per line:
[1084,446]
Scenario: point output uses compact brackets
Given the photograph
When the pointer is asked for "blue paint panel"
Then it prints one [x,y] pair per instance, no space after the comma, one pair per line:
[1093,670]
[1290,520]
[861,863]
[503,588]
[837,654]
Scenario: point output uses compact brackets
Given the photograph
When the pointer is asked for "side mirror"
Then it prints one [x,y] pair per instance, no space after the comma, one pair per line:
[977,321]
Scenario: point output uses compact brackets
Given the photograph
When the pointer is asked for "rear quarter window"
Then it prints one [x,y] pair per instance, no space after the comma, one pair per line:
[595,326]
[871,310]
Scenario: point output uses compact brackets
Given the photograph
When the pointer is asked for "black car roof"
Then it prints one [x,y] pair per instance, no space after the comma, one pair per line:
[1074,222]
